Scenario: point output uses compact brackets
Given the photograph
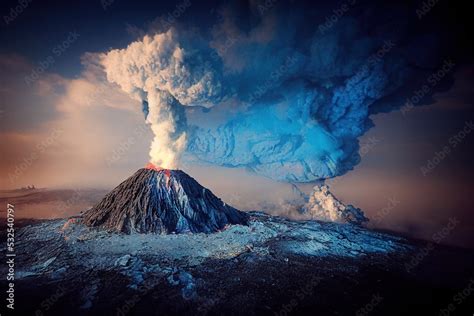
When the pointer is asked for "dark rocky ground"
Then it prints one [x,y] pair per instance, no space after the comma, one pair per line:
[273,266]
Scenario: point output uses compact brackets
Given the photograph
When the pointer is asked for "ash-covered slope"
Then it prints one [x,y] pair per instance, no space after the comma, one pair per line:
[162,201]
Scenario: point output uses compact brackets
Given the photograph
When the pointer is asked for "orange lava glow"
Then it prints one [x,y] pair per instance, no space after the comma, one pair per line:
[69,223]
[153,167]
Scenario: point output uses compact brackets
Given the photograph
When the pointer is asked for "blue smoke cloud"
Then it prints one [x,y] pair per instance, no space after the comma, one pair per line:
[294,93]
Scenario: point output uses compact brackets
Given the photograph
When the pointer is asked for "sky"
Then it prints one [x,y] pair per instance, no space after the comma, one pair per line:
[64,123]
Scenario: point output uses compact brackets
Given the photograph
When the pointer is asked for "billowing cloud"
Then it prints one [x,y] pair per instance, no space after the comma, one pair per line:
[273,92]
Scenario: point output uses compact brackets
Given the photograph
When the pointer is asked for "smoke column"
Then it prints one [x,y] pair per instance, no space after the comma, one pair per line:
[156,71]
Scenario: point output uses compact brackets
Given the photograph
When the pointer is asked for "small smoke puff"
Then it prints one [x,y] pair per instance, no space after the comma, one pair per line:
[323,205]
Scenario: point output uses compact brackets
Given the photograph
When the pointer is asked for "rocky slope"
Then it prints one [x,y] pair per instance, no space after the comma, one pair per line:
[162,201]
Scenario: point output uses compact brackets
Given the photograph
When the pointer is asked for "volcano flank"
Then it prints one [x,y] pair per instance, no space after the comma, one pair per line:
[162,201]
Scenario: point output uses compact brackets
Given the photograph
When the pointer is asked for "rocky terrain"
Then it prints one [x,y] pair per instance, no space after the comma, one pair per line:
[272,266]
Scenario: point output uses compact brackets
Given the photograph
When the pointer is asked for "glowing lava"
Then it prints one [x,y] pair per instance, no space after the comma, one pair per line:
[153,167]
[166,171]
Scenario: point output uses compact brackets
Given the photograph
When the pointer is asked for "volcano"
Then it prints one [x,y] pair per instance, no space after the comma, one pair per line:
[163,201]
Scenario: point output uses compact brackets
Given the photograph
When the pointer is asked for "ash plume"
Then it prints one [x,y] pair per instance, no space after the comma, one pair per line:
[165,76]
[270,91]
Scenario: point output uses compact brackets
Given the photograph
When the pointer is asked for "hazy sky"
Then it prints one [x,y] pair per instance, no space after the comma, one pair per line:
[62,125]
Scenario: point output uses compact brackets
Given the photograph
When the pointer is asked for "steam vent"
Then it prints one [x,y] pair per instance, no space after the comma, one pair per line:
[163,201]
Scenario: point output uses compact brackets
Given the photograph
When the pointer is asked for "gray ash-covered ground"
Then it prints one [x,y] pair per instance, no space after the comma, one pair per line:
[273,266]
